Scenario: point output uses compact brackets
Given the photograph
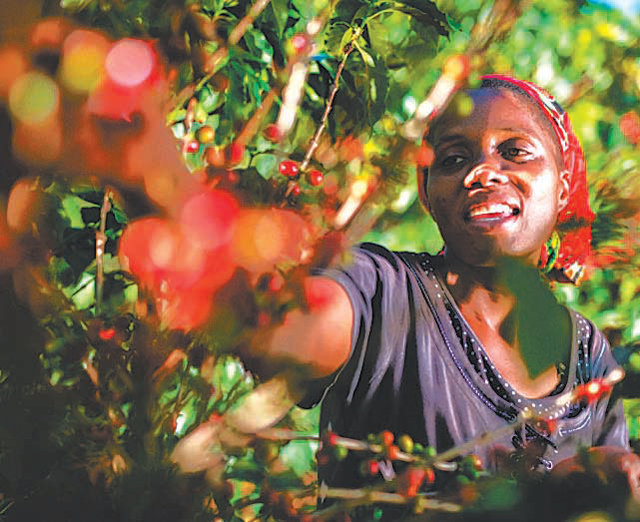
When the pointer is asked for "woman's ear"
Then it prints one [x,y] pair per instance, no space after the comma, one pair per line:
[565,189]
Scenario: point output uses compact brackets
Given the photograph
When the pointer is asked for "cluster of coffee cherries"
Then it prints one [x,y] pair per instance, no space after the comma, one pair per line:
[291,169]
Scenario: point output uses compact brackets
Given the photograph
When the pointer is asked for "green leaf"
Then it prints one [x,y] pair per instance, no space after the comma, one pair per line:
[75,5]
[425,12]
[266,165]
[379,86]
[209,99]
[72,208]
[366,57]
[280,12]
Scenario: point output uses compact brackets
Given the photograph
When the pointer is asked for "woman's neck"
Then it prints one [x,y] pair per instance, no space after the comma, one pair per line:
[480,292]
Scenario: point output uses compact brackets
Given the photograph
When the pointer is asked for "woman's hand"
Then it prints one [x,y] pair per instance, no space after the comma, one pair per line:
[610,460]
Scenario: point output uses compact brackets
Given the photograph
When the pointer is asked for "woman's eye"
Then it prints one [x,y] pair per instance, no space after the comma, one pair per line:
[515,152]
[452,160]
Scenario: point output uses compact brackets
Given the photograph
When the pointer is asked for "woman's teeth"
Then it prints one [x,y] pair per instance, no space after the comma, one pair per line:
[493,210]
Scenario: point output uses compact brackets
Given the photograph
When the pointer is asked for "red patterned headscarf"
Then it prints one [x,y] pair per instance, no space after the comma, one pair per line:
[574,222]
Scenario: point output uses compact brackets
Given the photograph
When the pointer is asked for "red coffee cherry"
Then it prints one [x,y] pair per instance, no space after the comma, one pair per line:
[214,156]
[234,153]
[315,177]
[192,146]
[272,133]
[387,438]
[289,168]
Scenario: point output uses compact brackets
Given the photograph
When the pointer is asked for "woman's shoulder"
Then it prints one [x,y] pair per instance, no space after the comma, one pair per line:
[587,332]
[594,355]
[394,256]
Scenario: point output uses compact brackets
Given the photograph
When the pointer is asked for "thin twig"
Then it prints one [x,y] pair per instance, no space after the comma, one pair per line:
[352,498]
[215,60]
[241,27]
[323,122]
[284,434]
[101,240]
[236,35]
[254,122]
[480,440]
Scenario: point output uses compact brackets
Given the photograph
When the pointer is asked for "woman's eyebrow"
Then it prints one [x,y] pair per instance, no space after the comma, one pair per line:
[440,140]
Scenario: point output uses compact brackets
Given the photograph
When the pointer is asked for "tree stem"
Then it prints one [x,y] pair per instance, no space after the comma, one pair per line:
[323,122]
[101,240]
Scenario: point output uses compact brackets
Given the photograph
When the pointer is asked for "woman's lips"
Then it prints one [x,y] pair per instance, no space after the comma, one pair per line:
[491,213]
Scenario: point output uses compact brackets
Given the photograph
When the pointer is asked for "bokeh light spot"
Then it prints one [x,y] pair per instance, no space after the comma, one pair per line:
[83,62]
[13,64]
[33,98]
[206,218]
[130,62]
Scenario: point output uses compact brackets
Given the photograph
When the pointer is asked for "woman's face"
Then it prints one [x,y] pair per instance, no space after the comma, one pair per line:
[495,187]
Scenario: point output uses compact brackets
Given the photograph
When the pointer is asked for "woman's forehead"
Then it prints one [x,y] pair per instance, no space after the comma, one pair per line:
[492,109]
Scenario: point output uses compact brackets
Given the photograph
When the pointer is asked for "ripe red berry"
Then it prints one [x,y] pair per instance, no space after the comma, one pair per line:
[107,334]
[272,133]
[192,146]
[289,168]
[429,476]
[393,452]
[373,467]
[315,177]
[234,153]
[387,438]
[214,156]
[295,190]
[414,478]
[330,438]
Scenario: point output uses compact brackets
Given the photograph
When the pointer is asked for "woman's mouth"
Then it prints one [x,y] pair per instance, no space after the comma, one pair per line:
[491,213]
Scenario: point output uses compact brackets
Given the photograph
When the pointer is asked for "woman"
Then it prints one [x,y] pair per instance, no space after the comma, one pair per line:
[446,348]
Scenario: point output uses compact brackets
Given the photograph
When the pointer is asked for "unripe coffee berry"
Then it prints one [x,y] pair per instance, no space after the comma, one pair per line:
[406,443]
[205,134]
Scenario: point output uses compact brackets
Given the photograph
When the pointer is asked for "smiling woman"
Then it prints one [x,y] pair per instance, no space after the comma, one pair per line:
[495,187]
[445,348]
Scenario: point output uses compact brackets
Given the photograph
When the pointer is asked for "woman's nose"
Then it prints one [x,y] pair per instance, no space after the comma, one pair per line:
[484,174]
